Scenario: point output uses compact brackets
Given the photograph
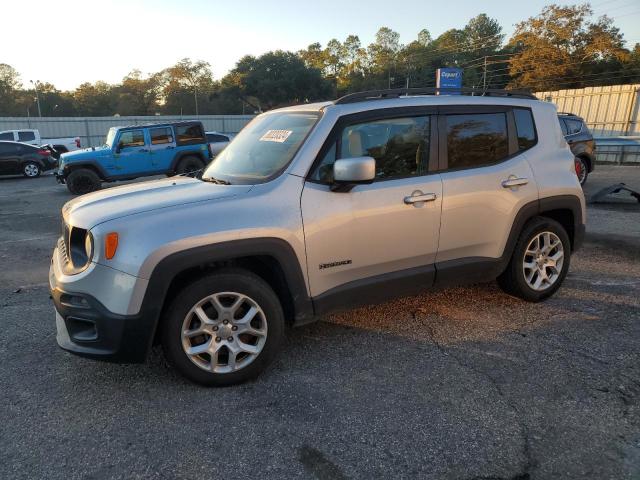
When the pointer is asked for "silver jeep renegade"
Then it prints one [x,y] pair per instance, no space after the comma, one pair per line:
[316,208]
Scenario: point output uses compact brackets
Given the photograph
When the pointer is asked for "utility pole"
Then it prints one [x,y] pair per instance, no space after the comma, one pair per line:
[35,86]
[484,74]
[195,96]
[407,81]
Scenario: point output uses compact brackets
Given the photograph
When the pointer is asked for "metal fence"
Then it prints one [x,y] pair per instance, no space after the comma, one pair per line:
[611,110]
[618,150]
[93,130]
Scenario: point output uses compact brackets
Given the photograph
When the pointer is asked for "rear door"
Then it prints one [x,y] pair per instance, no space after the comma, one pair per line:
[132,156]
[486,179]
[163,147]
[9,158]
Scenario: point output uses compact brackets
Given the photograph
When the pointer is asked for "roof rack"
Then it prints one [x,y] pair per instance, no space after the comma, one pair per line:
[400,92]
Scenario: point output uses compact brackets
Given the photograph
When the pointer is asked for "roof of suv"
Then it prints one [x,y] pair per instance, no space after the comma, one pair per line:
[405,97]
[159,124]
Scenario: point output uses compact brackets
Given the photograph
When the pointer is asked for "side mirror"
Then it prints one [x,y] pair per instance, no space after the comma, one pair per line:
[348,172]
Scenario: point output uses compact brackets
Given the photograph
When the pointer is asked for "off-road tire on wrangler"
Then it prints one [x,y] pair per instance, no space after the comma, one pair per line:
[83,181]
[222,334]
[189,164]
[532,255]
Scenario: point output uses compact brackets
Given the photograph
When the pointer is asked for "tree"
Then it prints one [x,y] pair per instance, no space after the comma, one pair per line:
[98,99]
[558,43]
[275,79]
[424,37]
[9,86]
[137,95]
[190,77]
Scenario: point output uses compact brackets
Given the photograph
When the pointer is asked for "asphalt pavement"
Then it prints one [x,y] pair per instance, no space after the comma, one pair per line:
[465,383]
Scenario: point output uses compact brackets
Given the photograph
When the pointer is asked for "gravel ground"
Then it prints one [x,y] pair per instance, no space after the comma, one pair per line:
[465,383]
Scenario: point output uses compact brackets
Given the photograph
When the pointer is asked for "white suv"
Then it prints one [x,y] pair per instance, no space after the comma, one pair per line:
[316,208]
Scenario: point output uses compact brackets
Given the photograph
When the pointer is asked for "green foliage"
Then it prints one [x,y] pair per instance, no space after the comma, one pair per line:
[562,47]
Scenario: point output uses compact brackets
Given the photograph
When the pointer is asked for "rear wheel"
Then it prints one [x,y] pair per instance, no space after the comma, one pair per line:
[83,181]
[31,170]
[540,261]
[223,329]
[582,170]
[189,164]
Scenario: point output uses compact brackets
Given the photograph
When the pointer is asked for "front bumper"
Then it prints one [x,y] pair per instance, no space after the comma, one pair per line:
[86,328]
[100,324]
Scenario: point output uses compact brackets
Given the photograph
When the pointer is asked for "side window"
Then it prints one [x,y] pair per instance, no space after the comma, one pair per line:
[476,140]
[6,136]
[400,147]
[563,126]
[161,135]
[525,127]
[131,138]
[189,134]
[573,126]
[7,149]
[214,137]
[26,136]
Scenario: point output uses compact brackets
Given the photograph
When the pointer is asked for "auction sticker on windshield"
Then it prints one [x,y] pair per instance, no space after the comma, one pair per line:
[279,136]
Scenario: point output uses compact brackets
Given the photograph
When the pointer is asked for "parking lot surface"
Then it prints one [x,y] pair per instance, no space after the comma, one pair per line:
[464,383]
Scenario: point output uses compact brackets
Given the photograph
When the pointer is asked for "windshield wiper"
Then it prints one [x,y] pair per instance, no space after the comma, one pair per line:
[217,181]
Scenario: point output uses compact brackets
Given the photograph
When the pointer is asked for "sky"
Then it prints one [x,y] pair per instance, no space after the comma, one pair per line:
[70,42]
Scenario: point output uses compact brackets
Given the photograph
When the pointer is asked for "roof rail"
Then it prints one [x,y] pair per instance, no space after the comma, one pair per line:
[400,92]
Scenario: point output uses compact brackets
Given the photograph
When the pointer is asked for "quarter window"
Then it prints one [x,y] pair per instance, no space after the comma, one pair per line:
[26,136]
[161,135]
[525,128]
[476,140]
[400,147]
[131,138]
[189,134]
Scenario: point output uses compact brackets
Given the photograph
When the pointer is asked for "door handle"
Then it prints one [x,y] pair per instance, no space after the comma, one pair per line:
[514,181]
[170,147]
[143,150]
[418,197]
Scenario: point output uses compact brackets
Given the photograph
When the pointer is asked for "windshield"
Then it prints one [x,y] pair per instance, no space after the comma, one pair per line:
[263,148]
[110,136]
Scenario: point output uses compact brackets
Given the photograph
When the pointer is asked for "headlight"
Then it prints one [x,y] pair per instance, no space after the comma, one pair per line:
[80,248]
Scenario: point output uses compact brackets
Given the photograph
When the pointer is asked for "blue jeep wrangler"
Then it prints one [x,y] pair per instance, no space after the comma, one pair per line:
[136,151]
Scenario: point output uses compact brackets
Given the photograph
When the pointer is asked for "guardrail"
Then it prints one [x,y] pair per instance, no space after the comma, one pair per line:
[618,150]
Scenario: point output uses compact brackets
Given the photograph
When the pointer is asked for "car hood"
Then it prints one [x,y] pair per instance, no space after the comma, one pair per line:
[95,208]
[84,153]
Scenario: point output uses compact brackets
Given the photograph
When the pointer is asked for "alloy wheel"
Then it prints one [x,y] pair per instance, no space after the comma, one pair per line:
[543,260]
[581,170]
[224,332]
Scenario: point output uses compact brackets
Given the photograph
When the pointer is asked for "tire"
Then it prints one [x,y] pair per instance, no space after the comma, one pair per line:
[189,164]
[31,170]
[228,286]
[582,170]
[514,279]
[83,181]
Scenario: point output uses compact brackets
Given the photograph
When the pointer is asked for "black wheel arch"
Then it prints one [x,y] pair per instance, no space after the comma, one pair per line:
[272,259]
[90,165]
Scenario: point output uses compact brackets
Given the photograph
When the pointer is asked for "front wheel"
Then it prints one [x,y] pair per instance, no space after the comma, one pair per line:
[224,328]
[540,261]
[83,181]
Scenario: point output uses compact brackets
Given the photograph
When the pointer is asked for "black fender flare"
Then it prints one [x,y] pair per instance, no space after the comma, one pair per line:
[169,267]
[186,153]
[91,164]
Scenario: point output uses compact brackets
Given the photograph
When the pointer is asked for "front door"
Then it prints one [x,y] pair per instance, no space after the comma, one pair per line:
[379,232]
[162,150]
[132,155]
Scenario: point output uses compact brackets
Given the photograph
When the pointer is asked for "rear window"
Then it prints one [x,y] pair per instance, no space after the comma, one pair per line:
[190,134]
[25,136]
[215,137]
[573,126]
[476,140]
[525,128]
[161,135]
